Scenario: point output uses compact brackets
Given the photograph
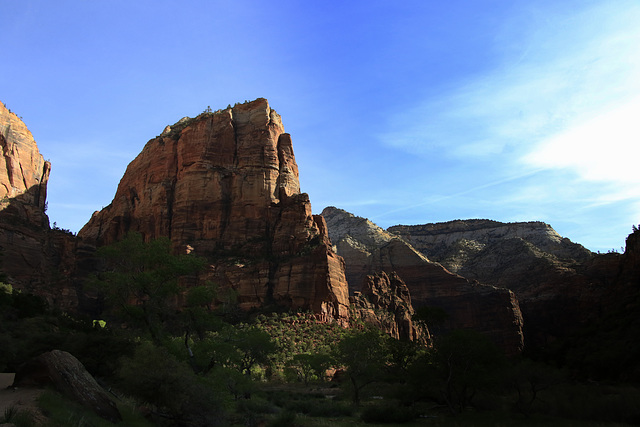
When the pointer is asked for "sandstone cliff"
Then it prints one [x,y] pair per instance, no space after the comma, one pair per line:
[33,256]
[225,185]
[368,249]
[23,171]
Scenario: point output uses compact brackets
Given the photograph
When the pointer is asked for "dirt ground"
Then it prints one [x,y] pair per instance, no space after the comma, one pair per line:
[21,398]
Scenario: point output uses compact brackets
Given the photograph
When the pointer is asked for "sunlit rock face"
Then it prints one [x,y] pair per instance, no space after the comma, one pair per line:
[226,184]
[23,171]
[368,249]
[34,258]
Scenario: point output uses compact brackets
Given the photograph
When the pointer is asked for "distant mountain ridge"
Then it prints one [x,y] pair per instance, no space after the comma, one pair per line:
[368,249]
[560,285]
[454,242]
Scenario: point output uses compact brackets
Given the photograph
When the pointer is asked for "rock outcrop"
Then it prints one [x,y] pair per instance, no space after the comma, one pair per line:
[64,372]
[385,302]
[557,282]
[34,257]
[368,249]
[225,185]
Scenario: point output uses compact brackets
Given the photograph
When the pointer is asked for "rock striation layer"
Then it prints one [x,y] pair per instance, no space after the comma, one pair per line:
[33,256]
[368,249]
[225,185]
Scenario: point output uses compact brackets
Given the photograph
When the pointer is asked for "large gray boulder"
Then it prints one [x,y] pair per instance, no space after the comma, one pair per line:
[69,377]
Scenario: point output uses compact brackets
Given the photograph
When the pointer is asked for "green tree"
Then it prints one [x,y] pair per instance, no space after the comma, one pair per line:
[529,379]
[141,279]
[155,376]
[255,347]
[364,354]
[310,366]
[465,361]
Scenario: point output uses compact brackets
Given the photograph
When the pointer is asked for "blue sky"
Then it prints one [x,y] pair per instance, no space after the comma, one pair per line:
[402,112]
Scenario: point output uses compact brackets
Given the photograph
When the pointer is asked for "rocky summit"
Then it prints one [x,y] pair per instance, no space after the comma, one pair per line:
[225,186]
[368,249]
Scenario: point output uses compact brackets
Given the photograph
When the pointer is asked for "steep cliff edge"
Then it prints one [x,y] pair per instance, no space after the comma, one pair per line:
[225,185]
[368,249]
[33,256]
[23,171]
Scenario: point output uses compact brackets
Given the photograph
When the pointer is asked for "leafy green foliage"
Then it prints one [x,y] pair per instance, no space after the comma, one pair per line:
[300,334]
[62,412]
[387,413]
[158,378]
[310,366]
[141,279]
[28,328]
[466,362]
[254,345]
[460,365]
[529,379]
[364,354]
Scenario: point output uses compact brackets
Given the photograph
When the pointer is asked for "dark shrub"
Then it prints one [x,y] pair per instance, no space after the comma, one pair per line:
[387,414]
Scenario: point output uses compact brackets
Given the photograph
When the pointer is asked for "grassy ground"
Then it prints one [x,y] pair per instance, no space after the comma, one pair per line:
[295,405]
[289,405]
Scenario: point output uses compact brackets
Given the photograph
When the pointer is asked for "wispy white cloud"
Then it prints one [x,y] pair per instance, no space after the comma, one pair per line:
[577,67]
[554,123]
[605,148]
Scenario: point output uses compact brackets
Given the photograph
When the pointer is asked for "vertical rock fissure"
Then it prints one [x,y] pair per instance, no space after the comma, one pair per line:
[274,261]
[226,185]
[170,189]
[280,192]
[7,161]
[24,179]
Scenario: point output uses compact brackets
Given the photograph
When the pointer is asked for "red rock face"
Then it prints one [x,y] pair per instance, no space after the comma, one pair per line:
[23,171]
[32,254]
[226,184]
